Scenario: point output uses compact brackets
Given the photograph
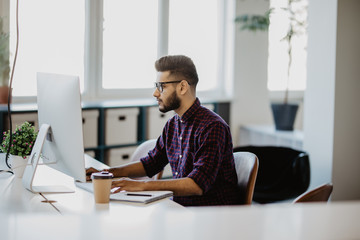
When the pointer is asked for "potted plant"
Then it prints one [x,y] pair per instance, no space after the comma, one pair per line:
[284,113]
[4,63]
[23,140]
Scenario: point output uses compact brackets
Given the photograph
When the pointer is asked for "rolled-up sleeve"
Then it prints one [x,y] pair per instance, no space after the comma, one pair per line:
[156,159]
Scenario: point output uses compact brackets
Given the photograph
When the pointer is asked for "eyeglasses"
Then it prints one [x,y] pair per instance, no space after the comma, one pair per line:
[159,85]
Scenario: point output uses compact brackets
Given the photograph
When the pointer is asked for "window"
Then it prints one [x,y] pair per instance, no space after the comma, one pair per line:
[51,40]
[278,49]
[159,28]
[196,35]
[129,50]
[112,44]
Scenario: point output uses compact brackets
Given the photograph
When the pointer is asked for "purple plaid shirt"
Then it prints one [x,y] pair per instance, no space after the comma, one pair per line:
[199,146]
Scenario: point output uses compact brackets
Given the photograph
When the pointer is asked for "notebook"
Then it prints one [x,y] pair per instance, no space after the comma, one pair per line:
[137,197]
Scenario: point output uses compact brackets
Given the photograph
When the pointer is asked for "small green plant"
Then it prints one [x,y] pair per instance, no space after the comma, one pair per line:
[23,140]
[296,10]
[254,22]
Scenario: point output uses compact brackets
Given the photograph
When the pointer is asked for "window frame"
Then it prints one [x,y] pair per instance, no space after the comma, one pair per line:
[93,54]
[93,87]
[296,92]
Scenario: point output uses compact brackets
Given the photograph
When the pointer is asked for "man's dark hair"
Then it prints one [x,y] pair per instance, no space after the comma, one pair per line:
[180,67]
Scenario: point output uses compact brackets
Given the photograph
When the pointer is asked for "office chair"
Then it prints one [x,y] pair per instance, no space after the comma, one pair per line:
[319,194]
[246,165]
[141,151]
[284,173]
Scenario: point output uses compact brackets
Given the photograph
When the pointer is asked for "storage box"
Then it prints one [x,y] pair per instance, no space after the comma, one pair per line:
[119,156]
[91,153]
[20,118]
[90,128]
[156,121]
[121,126]
[209,106]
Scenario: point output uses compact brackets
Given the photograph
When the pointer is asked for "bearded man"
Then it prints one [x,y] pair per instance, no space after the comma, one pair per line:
[196,142]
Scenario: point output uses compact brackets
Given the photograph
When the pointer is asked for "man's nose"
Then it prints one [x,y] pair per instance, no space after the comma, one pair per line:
[156,93]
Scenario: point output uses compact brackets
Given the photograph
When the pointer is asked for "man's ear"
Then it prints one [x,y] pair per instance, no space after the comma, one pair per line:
[184,87]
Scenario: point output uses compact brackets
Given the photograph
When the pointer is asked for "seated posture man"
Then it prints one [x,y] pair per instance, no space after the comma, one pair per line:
[196,142]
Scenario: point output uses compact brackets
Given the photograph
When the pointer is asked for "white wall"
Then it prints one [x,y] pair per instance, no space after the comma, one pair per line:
[331,111]
[320,89]
[4,9]
[346,151]
[251,100]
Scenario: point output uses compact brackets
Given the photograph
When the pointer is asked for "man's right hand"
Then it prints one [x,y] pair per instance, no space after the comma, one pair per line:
[90,171]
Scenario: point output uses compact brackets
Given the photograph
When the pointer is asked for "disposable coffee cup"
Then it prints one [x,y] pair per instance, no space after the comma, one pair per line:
[102,186]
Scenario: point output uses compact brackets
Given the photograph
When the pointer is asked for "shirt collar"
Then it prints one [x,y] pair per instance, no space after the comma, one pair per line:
[190,112]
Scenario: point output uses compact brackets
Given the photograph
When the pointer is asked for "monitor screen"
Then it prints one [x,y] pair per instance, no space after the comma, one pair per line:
[60,139]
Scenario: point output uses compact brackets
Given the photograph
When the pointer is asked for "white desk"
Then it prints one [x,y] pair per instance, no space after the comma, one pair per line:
[14,198]
[24,216]
[82,202]
[274,221]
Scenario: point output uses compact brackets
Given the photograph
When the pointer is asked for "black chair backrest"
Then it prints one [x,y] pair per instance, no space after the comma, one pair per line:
[283,173]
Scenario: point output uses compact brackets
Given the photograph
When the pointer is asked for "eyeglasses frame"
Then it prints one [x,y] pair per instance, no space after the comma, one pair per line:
[159,85]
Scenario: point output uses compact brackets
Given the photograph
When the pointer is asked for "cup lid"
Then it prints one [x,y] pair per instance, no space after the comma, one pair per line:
[102,175]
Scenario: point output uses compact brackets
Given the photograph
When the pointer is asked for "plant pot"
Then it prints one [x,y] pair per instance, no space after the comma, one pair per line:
[4,93]
[18,164]
[284,115]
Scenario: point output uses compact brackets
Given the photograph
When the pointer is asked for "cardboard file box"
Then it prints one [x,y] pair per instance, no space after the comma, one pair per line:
[119,156]
[209,106]
[121,126]
[156,121]
[20,118]
[91,153]
[90,128]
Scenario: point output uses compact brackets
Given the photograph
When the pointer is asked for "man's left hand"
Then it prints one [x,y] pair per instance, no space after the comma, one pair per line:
[127,184]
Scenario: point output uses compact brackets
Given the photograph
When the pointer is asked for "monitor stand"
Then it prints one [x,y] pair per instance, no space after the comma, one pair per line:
[33,162]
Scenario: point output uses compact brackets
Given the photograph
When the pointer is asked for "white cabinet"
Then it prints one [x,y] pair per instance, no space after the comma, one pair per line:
[259,135]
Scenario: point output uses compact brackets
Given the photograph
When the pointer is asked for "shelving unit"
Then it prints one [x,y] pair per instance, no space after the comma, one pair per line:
[142,124]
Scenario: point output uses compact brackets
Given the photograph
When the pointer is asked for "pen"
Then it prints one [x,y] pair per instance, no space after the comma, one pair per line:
[139,194]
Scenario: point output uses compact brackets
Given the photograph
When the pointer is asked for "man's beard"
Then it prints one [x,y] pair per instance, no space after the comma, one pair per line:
[173,103]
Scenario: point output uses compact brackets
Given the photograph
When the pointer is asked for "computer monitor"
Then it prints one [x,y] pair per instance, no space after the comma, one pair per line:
[60,138]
